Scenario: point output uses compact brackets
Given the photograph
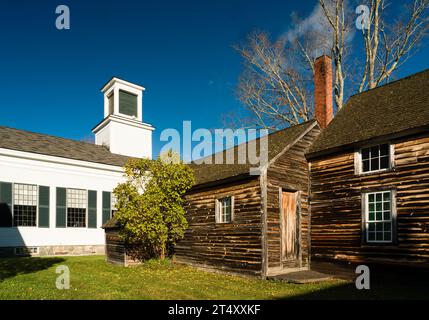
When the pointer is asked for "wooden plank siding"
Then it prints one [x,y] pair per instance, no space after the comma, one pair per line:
[289,172]
[233,247]
[115,247]
[336,206]
[118,252]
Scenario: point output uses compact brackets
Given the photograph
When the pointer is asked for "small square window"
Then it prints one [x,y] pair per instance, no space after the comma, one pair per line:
[375,158]
[224,210]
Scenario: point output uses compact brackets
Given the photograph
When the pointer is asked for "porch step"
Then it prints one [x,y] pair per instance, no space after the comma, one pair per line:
[301,277]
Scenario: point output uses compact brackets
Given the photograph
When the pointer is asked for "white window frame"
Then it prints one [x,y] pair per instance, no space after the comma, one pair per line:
[13,204]
[218,210]
[86,209]
[359,164]
[393,215]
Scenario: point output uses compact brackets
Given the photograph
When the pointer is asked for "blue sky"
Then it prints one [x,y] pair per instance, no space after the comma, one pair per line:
[179,50]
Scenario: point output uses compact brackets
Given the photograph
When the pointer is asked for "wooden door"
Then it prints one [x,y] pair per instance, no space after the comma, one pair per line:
[289,223]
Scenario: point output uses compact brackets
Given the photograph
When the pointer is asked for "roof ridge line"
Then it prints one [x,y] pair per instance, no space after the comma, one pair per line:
[269,134]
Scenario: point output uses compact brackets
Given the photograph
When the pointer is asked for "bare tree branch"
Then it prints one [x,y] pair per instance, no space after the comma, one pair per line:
[388,46]
[276,86]
[272,88]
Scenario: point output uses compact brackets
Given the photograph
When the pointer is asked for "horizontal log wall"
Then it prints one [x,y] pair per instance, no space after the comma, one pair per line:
[118,252]
[336,208]
[115,247]
[234,247]
[290,173]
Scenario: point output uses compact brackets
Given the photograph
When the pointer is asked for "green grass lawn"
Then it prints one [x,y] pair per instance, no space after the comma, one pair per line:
[93,278]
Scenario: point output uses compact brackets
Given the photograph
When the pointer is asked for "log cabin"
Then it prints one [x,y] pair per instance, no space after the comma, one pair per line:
[257,224]
[252,224]
[350,189]
[369,179]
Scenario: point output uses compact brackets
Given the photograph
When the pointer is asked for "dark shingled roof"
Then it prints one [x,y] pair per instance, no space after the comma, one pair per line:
[394,108]
[111,224]
[58,147]
[277,141]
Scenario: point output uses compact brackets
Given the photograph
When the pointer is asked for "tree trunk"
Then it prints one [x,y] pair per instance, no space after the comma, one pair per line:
[162,255]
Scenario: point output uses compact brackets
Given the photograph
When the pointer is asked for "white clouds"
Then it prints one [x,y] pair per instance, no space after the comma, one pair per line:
[315,23]
[315,32]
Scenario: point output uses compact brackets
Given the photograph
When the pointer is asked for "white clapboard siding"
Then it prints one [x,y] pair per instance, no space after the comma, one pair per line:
[29,168]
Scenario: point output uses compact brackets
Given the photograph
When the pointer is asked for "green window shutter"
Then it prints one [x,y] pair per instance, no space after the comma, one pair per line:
[127,103]
[106,206]
[92,209]
[43,207]
[5,205]
[61,208]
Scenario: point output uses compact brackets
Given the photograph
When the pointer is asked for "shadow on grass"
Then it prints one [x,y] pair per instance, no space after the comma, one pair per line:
[11,267]
[383,286]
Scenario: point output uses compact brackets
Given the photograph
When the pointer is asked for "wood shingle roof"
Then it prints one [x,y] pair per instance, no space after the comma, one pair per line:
[393,109]
[277,142]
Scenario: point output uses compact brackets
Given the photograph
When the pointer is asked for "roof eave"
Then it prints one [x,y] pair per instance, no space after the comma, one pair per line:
[361,143]
[231,179]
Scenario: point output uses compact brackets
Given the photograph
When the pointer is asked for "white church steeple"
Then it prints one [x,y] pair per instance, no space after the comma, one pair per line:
[122,129]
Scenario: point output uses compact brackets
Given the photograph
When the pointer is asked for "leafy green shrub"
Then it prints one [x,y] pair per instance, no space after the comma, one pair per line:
[150,204]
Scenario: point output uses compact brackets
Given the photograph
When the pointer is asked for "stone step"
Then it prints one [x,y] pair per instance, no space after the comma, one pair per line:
[301,277]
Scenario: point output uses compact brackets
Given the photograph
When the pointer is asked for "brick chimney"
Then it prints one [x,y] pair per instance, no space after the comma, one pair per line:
[323,108]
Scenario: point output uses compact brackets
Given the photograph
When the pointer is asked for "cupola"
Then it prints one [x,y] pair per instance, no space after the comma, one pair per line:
[123,130]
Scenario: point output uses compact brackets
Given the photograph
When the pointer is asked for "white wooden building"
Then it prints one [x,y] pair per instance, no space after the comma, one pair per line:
[55,193]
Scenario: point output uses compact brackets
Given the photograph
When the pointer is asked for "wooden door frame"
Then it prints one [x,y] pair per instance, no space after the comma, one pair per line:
[298,224]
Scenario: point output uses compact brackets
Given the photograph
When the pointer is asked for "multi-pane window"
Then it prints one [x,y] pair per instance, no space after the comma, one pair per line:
[24,205]
[379,217]
[375,158]
[224,210]
[77,203]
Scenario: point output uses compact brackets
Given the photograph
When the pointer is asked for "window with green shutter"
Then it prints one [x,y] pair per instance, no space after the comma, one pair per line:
[92,209]
[106,206]
[25,201]
[127,103]
[61,208]
[5,205]
[43,207]
[77,208]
